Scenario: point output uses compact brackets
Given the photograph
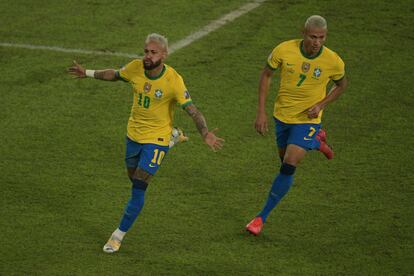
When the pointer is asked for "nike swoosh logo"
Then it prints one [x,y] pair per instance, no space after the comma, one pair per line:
[307,139]
[290,64]
[152,165]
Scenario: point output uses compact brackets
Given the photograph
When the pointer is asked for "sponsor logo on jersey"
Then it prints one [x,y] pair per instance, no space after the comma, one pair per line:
[305,67]
[147,87]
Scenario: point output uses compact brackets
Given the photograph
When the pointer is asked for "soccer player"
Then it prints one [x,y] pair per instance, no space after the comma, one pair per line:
[157,89]
[306,67]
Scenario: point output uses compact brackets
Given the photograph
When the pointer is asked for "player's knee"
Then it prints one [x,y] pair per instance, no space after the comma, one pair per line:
[131,172]
[139,184]
[287,169]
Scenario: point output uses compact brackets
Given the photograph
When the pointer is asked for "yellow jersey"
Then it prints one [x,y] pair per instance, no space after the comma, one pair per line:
[152,112]
[303,80]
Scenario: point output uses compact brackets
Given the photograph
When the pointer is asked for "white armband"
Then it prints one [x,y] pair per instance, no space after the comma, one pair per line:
[90,73]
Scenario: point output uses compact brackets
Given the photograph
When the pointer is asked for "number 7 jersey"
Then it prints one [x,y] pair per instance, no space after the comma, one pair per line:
[303,80]
[152,112]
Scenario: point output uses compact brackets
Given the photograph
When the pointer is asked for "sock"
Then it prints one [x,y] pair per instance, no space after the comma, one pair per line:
[134,206]
[280,187]
[119,234]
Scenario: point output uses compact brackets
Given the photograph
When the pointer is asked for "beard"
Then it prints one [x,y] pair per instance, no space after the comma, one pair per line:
[149,65]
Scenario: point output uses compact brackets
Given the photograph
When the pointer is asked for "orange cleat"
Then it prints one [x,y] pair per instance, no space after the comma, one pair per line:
[321,136]
[255,226]
[324,148]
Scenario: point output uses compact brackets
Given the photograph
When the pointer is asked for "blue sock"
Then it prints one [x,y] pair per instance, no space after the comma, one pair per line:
[280,187]
[135,204]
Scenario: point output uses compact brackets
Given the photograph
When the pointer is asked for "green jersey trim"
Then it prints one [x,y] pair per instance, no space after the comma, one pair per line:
[186,104]
[157,77]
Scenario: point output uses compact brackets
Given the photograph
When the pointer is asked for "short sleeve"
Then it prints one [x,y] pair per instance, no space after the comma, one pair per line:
[339,71]
[274,60]
[126,72]
[182,95]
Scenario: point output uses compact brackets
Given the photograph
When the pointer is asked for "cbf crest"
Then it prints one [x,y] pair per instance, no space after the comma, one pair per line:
[158,94]
[317,72]
[305,67]
[147,87]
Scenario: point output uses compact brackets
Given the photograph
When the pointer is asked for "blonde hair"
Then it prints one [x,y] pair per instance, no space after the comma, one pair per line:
[161,40]
[316,21]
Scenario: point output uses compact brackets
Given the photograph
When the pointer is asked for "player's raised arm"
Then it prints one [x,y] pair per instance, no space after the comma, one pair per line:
[214,142]
[78,71]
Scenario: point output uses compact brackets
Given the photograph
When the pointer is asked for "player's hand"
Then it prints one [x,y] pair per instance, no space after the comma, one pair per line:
[314,111]
[214,142]
[77,70]
[261,123]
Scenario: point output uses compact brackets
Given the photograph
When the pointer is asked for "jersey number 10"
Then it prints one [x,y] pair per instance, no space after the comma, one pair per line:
[144,100]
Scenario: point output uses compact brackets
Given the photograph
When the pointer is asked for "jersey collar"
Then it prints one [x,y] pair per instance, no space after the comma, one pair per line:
[156,77]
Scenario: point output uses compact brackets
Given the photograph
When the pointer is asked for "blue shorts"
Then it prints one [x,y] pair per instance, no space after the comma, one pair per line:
[302,135]
[145,156]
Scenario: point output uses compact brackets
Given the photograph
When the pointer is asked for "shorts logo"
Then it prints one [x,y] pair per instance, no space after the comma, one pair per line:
[305,67]
[317,72]
[158,93]
[186,95]
[152,165]
[307,139]
[147,87]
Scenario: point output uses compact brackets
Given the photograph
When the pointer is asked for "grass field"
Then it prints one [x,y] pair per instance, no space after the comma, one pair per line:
[63,182]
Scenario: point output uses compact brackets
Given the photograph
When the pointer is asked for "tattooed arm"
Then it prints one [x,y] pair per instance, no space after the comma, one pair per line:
[108,74]
[214,142]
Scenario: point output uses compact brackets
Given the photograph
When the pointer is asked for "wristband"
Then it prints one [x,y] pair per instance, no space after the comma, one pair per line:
[90,73]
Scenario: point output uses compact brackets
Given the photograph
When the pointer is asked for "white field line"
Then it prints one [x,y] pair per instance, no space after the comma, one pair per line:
[66,50]
[214,25]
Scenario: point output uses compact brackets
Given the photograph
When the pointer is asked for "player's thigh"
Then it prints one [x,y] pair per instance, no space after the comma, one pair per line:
[141,175]
[152,157]
[294,154]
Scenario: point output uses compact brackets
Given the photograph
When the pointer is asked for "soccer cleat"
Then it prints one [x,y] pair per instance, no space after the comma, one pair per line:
[255,226]
[321,136]
[324,147]
[112,245]
[177,136]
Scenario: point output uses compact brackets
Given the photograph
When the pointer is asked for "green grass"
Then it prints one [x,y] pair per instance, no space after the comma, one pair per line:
[63,180]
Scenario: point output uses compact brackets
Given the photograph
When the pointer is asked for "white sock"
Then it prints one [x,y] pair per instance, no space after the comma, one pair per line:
[119,234]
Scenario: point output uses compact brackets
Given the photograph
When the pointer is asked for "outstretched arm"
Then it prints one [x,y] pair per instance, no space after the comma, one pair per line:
[79,72]
[337,89]
[214,142]
[264,84]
